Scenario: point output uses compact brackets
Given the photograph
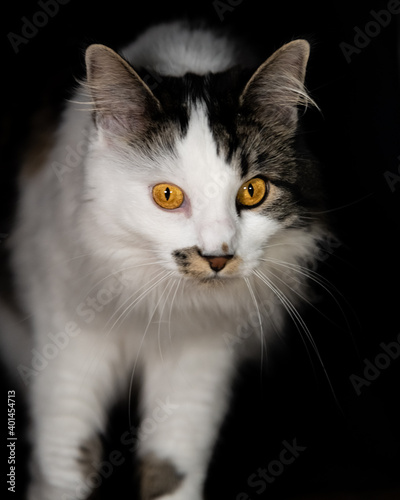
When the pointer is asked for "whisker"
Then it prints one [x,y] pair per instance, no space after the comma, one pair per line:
[99,355]
[128,268]
[138,299]
[141,345]
[303,298]
[253,298]
[300,325]
[335,209]
[319,280]
[170,286]
[170,309]
[135,266]
[294,314]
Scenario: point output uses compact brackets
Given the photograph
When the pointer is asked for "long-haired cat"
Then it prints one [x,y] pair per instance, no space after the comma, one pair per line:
[175,204]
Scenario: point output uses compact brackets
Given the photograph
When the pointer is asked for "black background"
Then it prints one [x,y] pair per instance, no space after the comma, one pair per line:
[352,447]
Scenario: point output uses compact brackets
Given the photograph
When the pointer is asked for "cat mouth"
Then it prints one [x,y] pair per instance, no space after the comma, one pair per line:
[192,263]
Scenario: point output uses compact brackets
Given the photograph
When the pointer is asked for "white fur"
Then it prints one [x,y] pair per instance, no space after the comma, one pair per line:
[73,238]
[175,49]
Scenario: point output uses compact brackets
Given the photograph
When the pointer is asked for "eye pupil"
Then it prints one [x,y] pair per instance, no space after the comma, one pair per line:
[252,193]
[168,196]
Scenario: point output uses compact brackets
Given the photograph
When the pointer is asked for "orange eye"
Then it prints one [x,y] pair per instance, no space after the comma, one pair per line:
[252,192]
[168,196]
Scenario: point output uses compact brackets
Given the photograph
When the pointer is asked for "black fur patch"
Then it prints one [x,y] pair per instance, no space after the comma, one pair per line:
[247,137]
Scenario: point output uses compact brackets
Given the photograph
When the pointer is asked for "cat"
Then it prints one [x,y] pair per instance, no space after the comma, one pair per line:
[174,208]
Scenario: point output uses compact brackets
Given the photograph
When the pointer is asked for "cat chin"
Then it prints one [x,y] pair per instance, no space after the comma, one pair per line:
[214,282]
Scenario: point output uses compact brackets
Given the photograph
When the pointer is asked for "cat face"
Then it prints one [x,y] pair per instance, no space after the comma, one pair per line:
[218,230]
[207,173]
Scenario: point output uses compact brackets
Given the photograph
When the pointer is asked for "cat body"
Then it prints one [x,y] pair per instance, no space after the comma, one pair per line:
[122,285]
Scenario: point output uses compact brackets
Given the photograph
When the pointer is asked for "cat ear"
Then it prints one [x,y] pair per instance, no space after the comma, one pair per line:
[123,103]
[277,87]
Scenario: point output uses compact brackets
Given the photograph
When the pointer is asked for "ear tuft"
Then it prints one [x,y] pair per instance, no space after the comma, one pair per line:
[277,87]
[123,103]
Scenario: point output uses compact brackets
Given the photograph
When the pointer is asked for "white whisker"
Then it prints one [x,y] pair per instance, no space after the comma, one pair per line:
[319,280]
[142,342]
[170,309]
[169,287]
[99,355]
[299,323]
[138,299]
[303,297]
[136,266]
[292,311]
[253,298]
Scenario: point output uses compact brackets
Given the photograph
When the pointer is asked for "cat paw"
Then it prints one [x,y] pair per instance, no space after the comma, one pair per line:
[159,478]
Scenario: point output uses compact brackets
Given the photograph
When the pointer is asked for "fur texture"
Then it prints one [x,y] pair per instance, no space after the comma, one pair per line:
[122,288]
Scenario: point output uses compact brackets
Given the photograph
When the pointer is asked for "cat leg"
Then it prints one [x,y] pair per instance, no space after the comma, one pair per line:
[184,401]
[69,400]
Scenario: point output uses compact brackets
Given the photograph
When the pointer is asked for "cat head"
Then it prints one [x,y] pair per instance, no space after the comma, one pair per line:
[206,174]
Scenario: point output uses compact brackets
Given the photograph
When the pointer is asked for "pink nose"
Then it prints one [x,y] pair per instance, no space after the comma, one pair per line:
[217,263]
